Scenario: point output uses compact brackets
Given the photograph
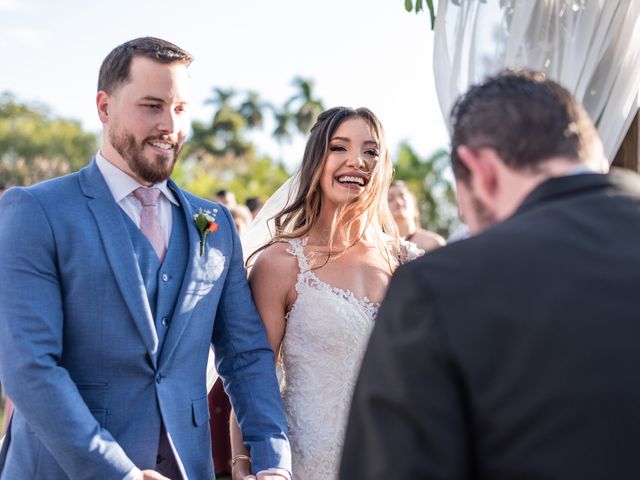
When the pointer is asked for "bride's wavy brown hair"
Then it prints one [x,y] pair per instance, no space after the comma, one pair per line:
[301,214]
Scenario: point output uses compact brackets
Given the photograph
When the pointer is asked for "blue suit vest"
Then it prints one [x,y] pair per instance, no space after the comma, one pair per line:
[162,281]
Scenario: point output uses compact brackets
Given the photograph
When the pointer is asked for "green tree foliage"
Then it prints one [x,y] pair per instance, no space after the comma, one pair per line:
[410,6]
[430,180]
[284,120]
[306,106]
[220,154]
[35,146]
[225,134]
[253,177]
[252,109]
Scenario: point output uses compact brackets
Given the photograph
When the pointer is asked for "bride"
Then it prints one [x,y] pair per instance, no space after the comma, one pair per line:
[320,279]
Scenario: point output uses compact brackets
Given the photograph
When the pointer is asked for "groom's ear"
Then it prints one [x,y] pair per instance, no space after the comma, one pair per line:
[103,102]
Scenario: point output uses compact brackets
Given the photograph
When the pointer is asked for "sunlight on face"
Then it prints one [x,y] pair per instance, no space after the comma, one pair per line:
[148,121]
[352,155]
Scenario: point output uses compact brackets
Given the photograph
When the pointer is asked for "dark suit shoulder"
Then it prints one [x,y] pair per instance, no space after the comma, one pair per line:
[455,260]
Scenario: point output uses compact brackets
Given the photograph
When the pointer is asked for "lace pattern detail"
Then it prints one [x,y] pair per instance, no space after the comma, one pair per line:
[325,338]
[308,277]
[326,334]
[409,251]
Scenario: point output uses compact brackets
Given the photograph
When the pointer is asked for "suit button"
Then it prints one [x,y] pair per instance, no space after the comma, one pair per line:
[165,277]
[159,378]
[165,321]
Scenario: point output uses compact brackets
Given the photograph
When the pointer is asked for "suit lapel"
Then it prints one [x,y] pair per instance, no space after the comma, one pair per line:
[120,254]
[188,296]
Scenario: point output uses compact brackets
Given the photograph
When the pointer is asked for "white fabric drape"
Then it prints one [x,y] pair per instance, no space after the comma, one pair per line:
[591,47]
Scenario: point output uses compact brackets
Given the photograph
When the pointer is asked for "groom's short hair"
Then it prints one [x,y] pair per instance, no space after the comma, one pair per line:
[525,117]
[115,68]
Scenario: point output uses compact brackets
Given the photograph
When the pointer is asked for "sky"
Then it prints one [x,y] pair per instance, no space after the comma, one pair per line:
[358,53]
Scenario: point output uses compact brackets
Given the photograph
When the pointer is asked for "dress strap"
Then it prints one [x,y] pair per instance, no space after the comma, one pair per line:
[297,249]
[409,251]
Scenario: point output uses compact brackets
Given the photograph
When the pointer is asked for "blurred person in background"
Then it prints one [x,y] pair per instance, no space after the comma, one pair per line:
[226,198]
[404,208]
[241,217]
[254,204]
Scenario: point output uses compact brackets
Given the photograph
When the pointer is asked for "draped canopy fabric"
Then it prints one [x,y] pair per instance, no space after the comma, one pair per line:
[591,47]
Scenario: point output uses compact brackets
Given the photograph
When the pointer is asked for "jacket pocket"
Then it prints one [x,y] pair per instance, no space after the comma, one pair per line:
[200,408]
[94,395]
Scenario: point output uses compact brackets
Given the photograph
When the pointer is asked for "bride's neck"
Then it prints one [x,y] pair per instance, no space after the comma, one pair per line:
[320,233]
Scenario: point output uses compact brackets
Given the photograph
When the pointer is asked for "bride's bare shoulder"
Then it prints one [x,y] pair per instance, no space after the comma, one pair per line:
[275,261]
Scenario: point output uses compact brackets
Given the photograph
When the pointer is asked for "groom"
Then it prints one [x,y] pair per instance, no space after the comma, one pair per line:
[114,283]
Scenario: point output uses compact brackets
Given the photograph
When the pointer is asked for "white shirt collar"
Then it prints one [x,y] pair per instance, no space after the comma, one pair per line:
[122,185]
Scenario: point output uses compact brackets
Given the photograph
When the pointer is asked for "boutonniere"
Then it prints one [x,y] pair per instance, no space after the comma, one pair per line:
[205,223]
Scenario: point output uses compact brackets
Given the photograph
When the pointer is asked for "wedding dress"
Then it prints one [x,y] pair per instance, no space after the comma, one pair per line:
[326,335]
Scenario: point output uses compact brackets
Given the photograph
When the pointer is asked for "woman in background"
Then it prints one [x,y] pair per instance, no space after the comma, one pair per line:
[404,209]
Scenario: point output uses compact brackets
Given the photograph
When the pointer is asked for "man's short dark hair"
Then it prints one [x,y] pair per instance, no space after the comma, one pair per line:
[254,204]
[116,66]
[525,117]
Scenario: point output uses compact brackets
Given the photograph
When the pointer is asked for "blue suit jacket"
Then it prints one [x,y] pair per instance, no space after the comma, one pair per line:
[79,351]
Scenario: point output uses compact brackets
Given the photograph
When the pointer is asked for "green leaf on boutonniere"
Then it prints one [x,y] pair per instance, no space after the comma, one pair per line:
[205,222]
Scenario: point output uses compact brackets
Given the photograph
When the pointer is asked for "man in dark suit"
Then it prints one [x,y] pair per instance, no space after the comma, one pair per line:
[513,354]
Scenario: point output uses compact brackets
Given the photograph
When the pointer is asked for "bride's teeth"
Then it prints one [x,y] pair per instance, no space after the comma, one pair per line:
[346,179]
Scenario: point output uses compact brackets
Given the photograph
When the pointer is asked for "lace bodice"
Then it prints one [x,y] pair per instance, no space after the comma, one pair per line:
[326,334]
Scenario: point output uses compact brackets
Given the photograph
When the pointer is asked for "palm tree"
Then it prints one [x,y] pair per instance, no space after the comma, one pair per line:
[284,120]
[252,110]
[228,125]
[308,107]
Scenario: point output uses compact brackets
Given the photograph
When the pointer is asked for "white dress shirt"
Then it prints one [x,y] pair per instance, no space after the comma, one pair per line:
[122,187]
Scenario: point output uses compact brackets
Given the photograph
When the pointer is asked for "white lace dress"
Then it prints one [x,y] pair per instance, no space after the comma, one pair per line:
[325,338]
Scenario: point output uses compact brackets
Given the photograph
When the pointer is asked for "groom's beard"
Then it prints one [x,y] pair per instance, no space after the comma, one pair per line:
[484,217]
[153,170]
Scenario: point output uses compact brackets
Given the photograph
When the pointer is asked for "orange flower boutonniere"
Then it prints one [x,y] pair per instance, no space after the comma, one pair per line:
[205,223]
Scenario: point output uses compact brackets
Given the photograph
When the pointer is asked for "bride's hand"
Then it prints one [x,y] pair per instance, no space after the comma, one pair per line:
[151,475]
[242,476]
[241,470]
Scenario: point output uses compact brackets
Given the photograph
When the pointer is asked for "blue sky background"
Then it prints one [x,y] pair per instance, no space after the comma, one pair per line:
[359,53]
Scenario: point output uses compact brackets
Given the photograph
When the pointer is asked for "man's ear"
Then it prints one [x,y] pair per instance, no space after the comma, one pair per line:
[484,171]
[103,102]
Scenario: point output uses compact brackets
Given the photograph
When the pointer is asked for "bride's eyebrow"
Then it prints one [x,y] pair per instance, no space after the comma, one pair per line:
[344,139]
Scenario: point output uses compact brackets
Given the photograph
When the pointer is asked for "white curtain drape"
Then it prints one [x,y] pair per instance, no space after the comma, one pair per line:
[591,47]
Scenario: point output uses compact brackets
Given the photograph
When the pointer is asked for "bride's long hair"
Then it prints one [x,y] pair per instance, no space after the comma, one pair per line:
[302,213]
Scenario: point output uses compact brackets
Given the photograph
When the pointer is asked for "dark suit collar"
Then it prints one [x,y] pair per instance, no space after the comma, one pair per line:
[557,188]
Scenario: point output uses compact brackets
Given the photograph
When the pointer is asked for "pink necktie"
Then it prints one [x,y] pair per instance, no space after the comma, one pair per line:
[149,221]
